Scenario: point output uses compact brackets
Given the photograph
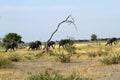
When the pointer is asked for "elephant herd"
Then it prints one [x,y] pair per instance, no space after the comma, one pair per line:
[38,45]
[35,45]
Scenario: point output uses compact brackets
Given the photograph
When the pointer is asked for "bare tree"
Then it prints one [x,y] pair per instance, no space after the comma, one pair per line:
[69,20]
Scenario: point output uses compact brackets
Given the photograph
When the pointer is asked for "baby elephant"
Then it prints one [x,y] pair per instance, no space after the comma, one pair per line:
[111,40]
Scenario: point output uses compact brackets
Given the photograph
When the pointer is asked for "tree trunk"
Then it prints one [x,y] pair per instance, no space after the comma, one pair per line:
[67,20]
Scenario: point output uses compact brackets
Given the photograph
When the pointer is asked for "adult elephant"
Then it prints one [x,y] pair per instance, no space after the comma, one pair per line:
[63,42]
[50,44]
[11,46]
[111,40]
[34,45]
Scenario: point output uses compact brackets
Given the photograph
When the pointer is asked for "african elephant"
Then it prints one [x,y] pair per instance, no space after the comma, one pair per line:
[11,45]
[50,44]
[111,40]
[34,45]
[63,42]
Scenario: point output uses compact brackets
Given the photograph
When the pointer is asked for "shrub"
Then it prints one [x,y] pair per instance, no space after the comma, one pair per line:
[54,75]
[15,58]
[111,60]
[70,49]
[64,58]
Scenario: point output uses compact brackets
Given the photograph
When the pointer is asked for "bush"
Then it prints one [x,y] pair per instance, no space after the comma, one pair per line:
[64,58]
[70,49]
[15,58]
[54,75]
[111,60]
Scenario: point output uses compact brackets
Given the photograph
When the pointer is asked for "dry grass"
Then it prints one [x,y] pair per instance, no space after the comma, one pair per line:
[33,62]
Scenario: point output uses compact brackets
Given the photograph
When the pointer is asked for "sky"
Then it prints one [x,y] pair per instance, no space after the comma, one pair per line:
[37,19]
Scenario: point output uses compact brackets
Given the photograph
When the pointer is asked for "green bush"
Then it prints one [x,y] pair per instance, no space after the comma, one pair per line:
[54,75]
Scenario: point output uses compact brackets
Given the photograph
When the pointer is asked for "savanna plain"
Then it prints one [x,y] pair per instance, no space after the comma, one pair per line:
[92,60]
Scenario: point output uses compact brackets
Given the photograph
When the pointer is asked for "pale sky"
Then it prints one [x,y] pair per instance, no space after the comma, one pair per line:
[37,19]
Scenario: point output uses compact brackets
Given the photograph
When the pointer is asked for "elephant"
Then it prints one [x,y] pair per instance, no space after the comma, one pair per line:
[11,45]
[63,42]
[50,44]
[34,45]
[111,40]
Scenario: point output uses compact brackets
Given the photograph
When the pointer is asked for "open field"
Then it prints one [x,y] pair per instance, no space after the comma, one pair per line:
[86,62]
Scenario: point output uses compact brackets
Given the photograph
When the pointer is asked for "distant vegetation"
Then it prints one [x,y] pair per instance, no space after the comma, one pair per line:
[93,37]
[12,37]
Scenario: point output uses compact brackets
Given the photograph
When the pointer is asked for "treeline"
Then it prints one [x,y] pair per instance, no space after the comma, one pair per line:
[14,37]
[88,40]
[79,40]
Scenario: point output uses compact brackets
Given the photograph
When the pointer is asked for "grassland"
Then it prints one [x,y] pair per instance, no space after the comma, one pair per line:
[86,62]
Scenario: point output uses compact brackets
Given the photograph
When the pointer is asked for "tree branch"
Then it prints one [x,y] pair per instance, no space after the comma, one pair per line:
[67,20]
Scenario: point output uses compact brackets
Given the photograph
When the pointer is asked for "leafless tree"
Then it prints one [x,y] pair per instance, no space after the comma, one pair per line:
[69,20]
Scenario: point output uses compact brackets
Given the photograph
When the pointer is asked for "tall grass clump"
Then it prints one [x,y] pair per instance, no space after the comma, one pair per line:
[4,62]
[15,58]
[54,75]
[64,58]
[99,53]
[115,59]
